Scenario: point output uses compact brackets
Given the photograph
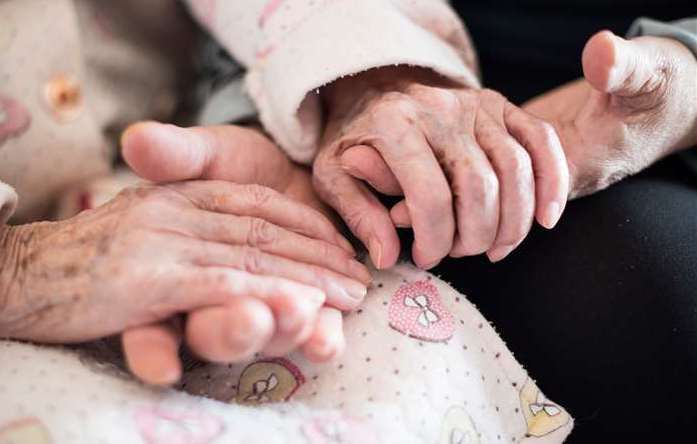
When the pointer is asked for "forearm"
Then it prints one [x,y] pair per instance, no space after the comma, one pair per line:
[12,242]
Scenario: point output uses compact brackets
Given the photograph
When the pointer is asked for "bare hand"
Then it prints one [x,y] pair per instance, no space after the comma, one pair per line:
[234,331]
[637,103]
[474,169]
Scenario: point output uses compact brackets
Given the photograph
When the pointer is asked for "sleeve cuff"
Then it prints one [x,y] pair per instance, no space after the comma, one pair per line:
[8,202]
[343,38]
[685,30]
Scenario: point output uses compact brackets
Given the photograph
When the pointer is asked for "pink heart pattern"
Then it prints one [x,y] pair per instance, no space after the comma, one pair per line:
[416,310]
[158,425]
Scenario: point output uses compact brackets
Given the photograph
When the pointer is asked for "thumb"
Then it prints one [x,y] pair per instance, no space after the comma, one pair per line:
[629,69]
[365,163]
[166,153]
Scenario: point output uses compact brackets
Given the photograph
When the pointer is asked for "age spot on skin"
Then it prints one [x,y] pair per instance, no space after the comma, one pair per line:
[70,270]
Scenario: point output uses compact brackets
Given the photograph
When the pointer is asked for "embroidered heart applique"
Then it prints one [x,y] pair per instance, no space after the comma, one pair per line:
[272,380]
[24,431]
[416,310]
[14,119]
[159,425]
[339,430]
[541,415]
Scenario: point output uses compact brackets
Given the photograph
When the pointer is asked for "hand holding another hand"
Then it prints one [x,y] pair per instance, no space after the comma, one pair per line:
[475,170]
[636,104]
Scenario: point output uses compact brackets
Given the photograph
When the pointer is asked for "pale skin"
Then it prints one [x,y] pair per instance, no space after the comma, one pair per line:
[475,170]
[274,266]
[618,103]
[166,153]
[641,95]
[636,104]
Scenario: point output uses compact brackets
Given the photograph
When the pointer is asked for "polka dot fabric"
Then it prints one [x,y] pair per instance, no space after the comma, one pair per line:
[396,383]
[417,311]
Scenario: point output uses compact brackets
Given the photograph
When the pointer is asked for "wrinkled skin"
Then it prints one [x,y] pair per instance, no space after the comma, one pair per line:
[234,331]
[475,170]
[246,253]
[636,104]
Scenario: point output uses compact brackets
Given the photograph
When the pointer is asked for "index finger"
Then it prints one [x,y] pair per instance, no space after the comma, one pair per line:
[427,193]
[365,216]
[263,203]
[548,160]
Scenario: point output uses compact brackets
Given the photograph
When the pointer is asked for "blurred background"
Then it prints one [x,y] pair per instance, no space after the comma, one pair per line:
[527,47]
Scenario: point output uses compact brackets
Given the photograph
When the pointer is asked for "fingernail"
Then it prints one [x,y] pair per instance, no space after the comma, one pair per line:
[352,171]
[376,253]
[551,215]
[348,290]
[499,253]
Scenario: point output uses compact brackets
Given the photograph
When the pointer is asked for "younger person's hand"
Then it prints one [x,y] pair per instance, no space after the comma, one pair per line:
[475,169]
[235,331]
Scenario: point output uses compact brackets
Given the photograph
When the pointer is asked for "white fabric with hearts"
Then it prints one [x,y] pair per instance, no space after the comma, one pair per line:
[422,366]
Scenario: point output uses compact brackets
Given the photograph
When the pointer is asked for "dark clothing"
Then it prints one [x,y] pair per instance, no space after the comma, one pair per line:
[527,47]
[602,309]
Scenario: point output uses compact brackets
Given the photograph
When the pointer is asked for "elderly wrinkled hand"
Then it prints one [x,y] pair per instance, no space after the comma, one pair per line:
[475,170]
[234,331]
[636,104]
[256,268]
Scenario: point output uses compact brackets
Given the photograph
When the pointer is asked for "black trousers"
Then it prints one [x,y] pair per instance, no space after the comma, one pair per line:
[602,310]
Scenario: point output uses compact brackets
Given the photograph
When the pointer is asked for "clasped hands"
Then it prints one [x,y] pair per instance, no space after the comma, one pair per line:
[234,235]
[475,170]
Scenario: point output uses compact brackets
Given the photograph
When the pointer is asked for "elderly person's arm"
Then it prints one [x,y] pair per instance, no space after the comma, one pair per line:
[155,250]
[636,104]
[459,153]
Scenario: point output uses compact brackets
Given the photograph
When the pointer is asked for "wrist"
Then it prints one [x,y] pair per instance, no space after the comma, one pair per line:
[15,242]
[343,93]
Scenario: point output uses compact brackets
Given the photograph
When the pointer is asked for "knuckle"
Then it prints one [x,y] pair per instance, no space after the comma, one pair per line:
[484,186]
[488,134]
[519,164]
[545,132]
[443,100]
[258,195]
[396,103]
[146,211]
[261,233]
[252,260]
